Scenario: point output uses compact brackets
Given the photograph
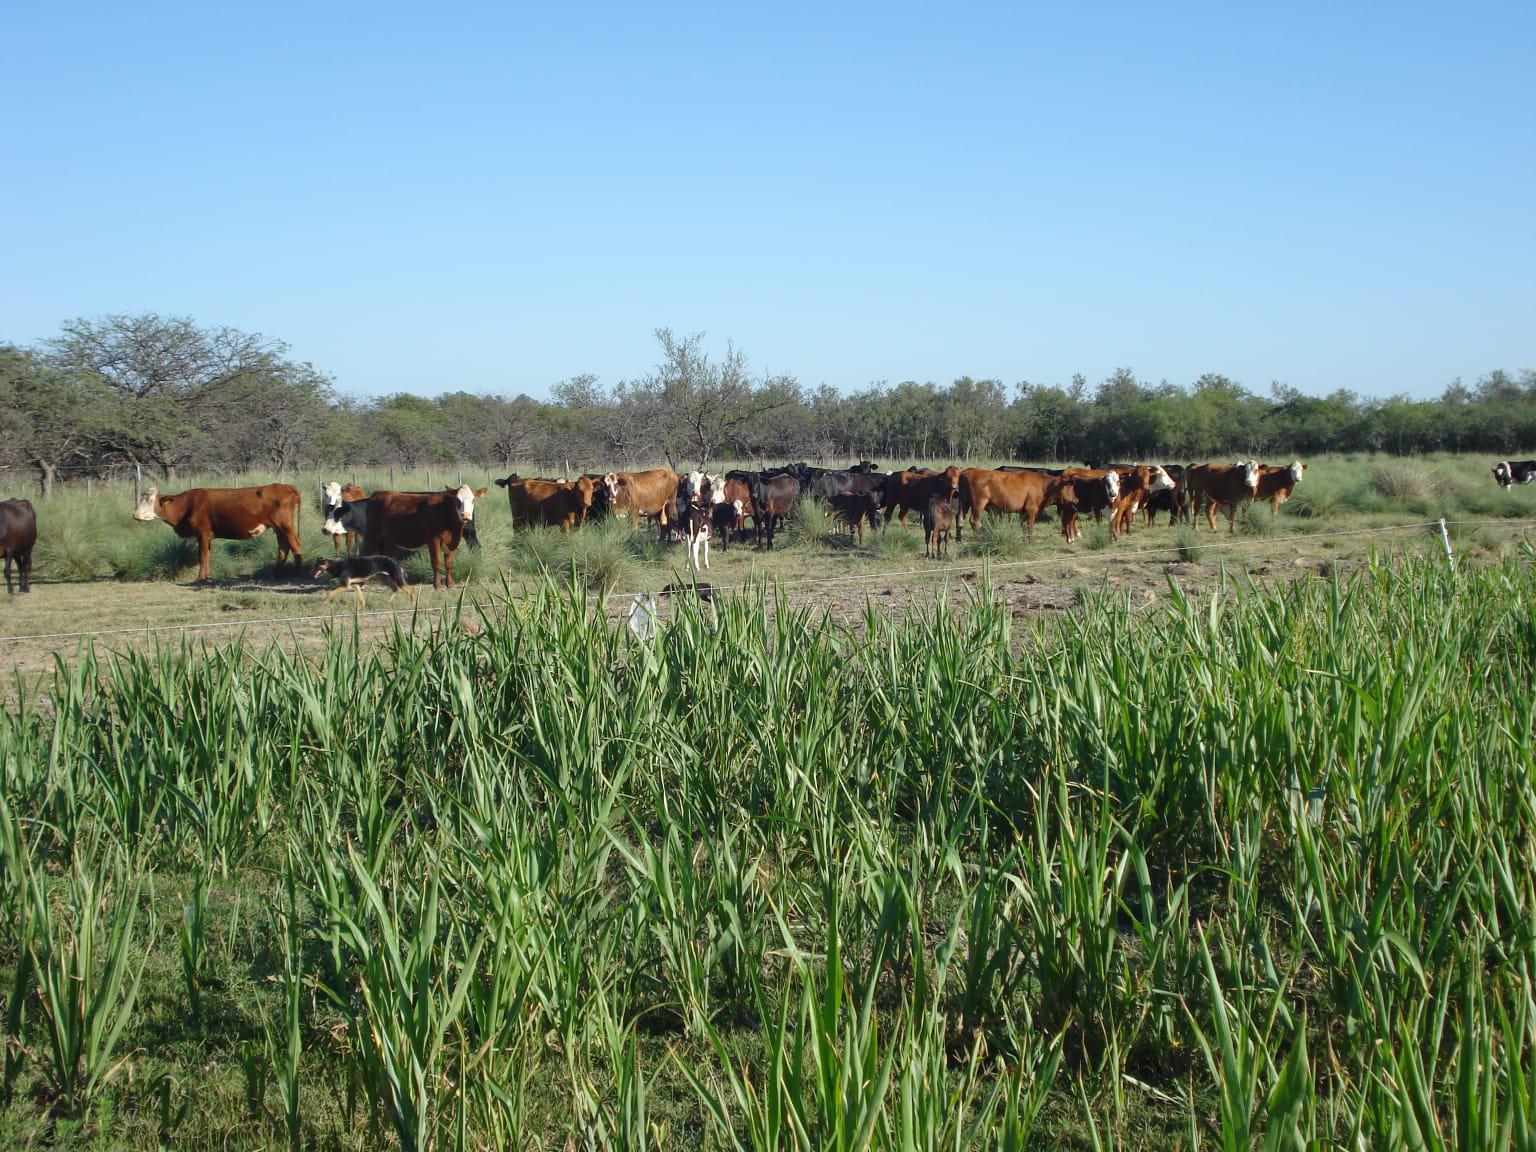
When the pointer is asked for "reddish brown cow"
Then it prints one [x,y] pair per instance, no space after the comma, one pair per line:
[412,519]
[911,490]
[18,535]
[1226,485]
[229,514]
[540,502]
[650,494]
[1086,490]
[1027,493]
[1276,482]
[1137,485]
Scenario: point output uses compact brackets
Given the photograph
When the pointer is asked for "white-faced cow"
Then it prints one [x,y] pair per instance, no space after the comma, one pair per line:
[409,520]
[209,514]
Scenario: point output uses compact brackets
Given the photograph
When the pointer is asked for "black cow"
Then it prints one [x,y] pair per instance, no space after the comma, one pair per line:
[18,533]
[1508,472]
[831,484]
[1174,501]
[773,498]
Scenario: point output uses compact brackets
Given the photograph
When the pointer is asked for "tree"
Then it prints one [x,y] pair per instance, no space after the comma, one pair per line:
[51,418]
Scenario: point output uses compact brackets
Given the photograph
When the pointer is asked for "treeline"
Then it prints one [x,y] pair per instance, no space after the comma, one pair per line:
[170,395]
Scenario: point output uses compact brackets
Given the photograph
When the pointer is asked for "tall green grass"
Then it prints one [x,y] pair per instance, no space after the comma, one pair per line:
[1249,869]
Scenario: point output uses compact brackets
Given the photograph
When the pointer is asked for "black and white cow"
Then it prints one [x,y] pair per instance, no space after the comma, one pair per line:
[701,492]
[1508,472]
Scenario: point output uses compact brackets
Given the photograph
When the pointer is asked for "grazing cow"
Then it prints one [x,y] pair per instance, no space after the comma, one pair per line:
[1224,485]
[773,498]
[911,490]
[1027,493]
[1137,484]
[549,502]
[853,508]
[1086,490]
[651,494]
[410,520]
[229,514]
[1508,472]
[18,534]
[829,485]
[938,520]
[1276,482]
[1174,501]
[331,497]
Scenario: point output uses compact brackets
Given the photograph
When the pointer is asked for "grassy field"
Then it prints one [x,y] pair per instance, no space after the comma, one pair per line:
[98,571]
[1250,867]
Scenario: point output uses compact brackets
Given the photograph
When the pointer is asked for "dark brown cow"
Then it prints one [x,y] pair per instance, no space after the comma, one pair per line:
[650,494]
[1225,485]
[1276,482]
[413,519]
[1027,493]
[1086,490]
[549,502]
[738,497]
[911,490]
[332,496]
[851,509]
[938,521]
[18,534]
[229,514]
[773,498]
[1174,501]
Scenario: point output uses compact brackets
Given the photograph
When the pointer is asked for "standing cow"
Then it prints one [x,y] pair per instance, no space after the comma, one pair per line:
[409,520]
[18,534]
[210,514]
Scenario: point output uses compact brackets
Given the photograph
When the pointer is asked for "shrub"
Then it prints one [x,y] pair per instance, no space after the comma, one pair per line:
[1188,545]
[810,525]
[71,549]
[1404,482]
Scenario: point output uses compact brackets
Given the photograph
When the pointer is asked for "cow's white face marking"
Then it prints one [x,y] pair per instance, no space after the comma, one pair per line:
[145,509]
[1501,473]
[1112,484]
[737,504]
[466,501]
[1160,481]
[1250,473]
[330,494]
[716,489]
[1297,468]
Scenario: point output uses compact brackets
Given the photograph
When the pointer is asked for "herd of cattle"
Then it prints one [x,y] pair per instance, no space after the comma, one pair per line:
[701,506]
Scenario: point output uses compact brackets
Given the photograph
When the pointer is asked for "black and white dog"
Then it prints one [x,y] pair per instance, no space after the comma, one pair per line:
[354,571]
[1508,472]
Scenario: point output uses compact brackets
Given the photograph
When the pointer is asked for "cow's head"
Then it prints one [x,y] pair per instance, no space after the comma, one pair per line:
[464,498]
[1298,470]
[341,519]
[952,474]
[1503,474]
[611,483]
[1250,474]
[1112,484]
[330,503]
[1158,480]
[148,506]
[716,486]
[585,490]
[693,484]
[872,504]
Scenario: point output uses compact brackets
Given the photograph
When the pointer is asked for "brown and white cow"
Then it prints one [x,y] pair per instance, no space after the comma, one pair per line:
[1221,485]
[436,520]
[651,494]
[18,535]
[549,502]
[1138,484]
[229,514]
[1085,490]
[332,496]
[1276,481]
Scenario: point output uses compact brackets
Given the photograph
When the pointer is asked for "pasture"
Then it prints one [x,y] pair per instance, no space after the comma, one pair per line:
[1250,865]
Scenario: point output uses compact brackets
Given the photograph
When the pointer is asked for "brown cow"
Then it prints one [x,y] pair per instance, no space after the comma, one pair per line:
[851,509]
[1086,490]
[1276,482]
[1138,484]
[938,520]
[547,502]
[229,514]
[650,494]
[18,534]
[332,496]
[1027,493]
[409,520]
[1226,485]
[911,490]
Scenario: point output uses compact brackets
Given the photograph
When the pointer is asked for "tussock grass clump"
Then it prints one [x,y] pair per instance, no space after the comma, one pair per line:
[1189,544]
[605,556]
[1404,482]
[1096,536]
[998,538]
[810,526]
[71,549]
[897,542]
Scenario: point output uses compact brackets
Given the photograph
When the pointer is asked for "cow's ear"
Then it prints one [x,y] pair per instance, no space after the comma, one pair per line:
[450,487]
[479,492]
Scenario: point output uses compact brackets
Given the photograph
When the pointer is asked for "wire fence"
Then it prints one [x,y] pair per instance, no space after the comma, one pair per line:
[149,631]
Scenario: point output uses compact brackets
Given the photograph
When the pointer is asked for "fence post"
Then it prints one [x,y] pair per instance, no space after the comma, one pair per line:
[1445,538]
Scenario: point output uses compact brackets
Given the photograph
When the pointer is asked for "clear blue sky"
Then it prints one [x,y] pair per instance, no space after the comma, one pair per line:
[494,198]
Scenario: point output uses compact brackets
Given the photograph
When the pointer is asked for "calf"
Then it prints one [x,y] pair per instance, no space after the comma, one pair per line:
[549,502]
[853,508]
[1085,490]
[332,495]
[1508,472]
[1276,483]
[1174,501]
[18,535]
[938,520]
[773,498]
[726,520]
[701,494]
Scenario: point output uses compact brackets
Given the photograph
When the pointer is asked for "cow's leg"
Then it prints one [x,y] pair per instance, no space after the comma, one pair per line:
[706,550]
[203,548]
[448,566]
[9,591]
[24,562]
